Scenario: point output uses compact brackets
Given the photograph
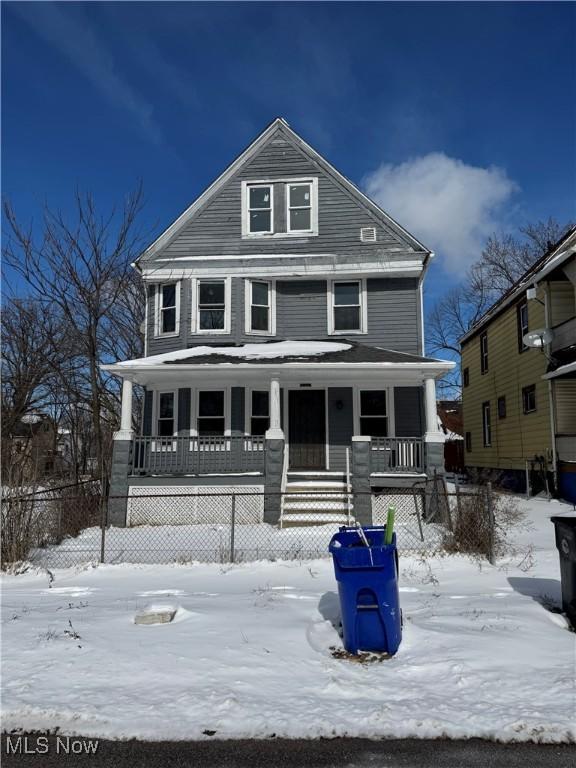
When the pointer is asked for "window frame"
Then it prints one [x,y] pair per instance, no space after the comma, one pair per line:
[195,313]
[195,438]
[519,327]
[363,314]
[163,442]
[159,309]
[259,185]
[289,207]
[271,331]
[527,390]
[486,424]
[248,409]
[389,391]
[501,411]
[466,377]
[484,352]
[274,233]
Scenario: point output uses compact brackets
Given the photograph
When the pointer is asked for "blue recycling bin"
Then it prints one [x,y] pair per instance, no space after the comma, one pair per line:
[368,587]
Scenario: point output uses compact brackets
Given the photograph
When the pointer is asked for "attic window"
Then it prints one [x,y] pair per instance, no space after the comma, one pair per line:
[368,234]
[260,209]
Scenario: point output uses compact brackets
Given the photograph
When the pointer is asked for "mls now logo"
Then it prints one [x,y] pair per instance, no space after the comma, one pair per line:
[42,745]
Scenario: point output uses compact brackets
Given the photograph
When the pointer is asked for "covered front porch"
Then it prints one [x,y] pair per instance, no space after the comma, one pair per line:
[231,422]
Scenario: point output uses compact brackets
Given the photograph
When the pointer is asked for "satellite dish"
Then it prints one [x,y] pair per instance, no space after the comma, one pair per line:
[538,338]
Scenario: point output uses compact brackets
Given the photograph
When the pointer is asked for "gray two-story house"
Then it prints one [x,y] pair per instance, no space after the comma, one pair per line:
[284,345]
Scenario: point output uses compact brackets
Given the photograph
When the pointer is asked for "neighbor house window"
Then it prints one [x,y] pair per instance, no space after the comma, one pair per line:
[468,441]
[259,412]
[299,201]
[484,352]
[529,398]
[260,214]
[167,309]
[166,414]
[466,376]
[486,425]
[212,314]
[347,310]
[373,413]
[502,407]
[259,307]
[522,323]
[211,419]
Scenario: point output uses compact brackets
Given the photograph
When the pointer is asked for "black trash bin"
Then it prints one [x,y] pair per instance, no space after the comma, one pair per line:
[565,527]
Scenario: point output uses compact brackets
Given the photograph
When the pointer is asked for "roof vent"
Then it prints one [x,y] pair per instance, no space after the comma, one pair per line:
[368,234]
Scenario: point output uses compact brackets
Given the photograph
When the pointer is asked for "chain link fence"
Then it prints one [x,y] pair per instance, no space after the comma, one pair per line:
[58,528]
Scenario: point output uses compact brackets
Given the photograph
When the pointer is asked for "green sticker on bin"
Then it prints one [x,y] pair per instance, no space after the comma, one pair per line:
[390,525]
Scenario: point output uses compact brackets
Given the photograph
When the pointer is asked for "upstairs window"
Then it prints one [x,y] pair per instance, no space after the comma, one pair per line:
[166,414]
[260,300]
[484,352]
[522,323]
[373,413]
[212,306]
[466,377]
[299,201]
[260,209]
[259,412]
[502,407]
[211,419]
[347,312]
[167,309]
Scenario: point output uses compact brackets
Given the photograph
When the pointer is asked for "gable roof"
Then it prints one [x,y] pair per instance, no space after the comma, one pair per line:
[277,125]
[553,258]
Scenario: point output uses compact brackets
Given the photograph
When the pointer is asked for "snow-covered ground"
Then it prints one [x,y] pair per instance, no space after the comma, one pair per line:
[249,652]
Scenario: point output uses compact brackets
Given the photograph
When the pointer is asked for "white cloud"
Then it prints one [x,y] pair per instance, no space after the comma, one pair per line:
[450,206]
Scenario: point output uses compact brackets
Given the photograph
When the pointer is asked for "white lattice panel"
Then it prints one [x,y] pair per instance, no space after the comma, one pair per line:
[187,505]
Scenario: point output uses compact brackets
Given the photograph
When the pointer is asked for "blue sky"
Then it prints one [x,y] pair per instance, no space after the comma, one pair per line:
[459,118]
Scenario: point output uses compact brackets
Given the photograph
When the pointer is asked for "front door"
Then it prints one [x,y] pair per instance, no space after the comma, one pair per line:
[307,428]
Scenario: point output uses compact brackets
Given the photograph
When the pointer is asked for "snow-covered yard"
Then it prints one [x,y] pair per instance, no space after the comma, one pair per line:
[249,652]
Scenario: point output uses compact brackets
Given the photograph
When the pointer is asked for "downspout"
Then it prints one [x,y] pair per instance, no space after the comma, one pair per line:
[551,401]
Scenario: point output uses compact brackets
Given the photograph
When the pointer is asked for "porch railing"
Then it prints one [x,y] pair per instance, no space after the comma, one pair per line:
[188,455]
[397,454]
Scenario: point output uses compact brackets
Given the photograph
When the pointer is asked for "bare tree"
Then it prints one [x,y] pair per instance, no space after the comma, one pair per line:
[81,267]
[504,259]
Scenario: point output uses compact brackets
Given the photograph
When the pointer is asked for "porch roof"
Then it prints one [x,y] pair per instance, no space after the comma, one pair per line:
[306,354]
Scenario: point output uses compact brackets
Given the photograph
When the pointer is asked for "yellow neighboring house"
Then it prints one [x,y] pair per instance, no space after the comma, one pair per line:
[519,379]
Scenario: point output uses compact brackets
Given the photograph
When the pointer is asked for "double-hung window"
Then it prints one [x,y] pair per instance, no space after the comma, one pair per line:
[211,416]
[373,413]
[166,414]
[299,206]
[259,412]
[260,214]
[522,323]
[484,352]
[486,425]
[347,311]
[529,398]
[167,309]
[260,307]
[212,306]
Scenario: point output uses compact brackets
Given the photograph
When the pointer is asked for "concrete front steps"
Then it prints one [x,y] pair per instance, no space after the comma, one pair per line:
[315,500]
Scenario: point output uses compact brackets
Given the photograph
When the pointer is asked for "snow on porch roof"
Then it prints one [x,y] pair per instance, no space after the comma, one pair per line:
[278,352]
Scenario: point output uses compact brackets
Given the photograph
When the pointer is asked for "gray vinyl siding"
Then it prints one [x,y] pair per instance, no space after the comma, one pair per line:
[409,411]
[216,228]
[302,313]
[340,426]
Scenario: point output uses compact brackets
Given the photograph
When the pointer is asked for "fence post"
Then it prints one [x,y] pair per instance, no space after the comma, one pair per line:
[458,501]
[527,480]
[490,510]
[103,515]
[232,528]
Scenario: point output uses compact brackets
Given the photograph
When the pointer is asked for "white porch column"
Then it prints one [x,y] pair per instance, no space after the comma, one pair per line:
[433,434]
[275,432]
[125,431]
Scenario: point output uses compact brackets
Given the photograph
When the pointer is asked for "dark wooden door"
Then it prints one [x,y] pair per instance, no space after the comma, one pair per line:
[307,428]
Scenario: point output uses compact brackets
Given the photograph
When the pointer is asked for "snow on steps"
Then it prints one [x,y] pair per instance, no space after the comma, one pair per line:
[315,502]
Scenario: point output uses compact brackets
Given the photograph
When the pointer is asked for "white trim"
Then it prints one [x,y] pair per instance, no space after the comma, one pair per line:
[158,334]
[248,307]
[195,403]
[195,306]
[486,424]
[147,290]
[245,197]
[389,390]
[363,298]
[312,182]
[297,388]
[421,299]
[252,256]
